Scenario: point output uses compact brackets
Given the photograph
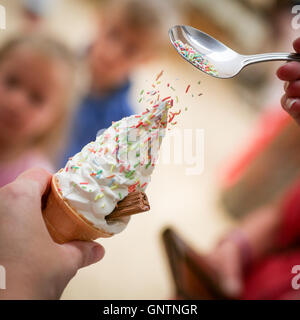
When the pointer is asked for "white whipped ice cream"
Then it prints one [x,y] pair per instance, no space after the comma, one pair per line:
[121,160]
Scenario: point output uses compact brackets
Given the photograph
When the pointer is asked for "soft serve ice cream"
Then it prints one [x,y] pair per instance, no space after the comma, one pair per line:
[120,160]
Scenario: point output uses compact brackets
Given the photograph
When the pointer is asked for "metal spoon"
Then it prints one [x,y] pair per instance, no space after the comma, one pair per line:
[213,57]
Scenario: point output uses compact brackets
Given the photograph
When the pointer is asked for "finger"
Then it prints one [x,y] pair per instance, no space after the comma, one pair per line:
[289,71]
[83,253]
[292,88]
[296,45]
[292,106]
[38,177]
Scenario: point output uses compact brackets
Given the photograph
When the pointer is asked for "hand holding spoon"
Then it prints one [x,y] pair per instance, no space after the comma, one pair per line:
[213,57]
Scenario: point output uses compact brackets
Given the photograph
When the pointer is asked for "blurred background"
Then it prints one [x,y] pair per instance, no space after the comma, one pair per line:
[235,180]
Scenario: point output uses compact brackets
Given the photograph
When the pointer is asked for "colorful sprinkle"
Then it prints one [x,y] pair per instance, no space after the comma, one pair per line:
[197,59]
[159,75]
[167,98]
[99,196]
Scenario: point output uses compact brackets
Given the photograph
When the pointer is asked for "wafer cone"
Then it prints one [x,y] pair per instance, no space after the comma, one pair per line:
[65,224]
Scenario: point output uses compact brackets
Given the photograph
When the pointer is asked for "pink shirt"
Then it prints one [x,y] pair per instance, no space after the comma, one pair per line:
[9,171]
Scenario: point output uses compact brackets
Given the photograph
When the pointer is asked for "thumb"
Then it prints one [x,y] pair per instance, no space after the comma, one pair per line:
[83,253]
[37,179]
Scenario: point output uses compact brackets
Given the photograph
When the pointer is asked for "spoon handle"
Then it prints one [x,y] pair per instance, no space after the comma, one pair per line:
[276,56]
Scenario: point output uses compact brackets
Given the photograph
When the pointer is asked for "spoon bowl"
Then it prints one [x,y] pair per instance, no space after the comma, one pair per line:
[215,58]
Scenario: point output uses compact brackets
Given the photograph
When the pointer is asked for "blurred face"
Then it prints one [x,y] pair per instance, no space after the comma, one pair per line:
[117,50]
[31,93]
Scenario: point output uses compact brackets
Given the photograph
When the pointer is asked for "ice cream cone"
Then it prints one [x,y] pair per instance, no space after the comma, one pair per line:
[65,224]
[102,185]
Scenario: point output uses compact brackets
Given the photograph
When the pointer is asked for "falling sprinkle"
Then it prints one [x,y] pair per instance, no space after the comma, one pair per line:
[167,98]
[159,75]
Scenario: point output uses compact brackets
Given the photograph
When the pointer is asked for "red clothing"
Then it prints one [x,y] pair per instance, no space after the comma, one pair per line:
[289,233]
[271,278]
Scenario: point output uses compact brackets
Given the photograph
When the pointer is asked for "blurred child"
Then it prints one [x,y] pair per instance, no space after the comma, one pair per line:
[129,33]
[35,81]
[258,259]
